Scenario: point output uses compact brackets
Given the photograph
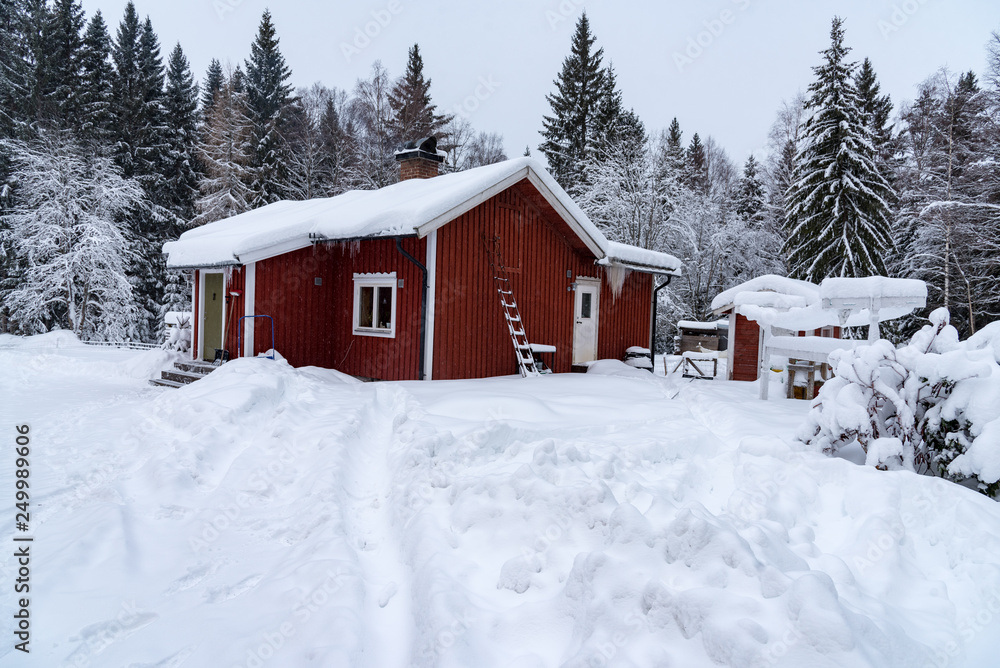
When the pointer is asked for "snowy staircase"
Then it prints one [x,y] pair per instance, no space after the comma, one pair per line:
[183,373]
[511,314]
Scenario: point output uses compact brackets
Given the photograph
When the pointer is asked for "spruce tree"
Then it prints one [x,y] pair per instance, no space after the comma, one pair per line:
[150,153]
[876,113]
[180,105]
[62,64]
[751,197]
[14,71]
[127,105]
[609,125]
[214,80]
[268,95]
[35,30]
[696,166]
[96,117]
[839,217]
[569,131]
[413,113]
[141,152]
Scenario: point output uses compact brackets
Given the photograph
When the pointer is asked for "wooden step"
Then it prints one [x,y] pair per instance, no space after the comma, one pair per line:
[203,368]
[182,377]
[160,382]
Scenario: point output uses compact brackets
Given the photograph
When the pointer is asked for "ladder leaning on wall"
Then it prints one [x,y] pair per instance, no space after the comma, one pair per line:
[511,314]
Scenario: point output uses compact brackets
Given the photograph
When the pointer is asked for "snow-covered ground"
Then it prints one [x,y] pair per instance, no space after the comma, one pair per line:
[267,516]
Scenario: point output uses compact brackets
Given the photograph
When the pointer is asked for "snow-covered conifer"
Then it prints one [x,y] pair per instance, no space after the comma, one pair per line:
[840,203]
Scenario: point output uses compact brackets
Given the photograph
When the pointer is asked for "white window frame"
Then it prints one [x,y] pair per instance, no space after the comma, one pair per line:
[374,281]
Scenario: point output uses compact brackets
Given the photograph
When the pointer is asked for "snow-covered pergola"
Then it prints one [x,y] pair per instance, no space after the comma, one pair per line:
[783,306]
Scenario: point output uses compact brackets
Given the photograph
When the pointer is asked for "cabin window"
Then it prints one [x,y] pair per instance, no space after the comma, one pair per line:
[375,305]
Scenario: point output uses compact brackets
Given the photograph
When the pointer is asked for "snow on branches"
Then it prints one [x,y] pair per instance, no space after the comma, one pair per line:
[66,234]
[932,406]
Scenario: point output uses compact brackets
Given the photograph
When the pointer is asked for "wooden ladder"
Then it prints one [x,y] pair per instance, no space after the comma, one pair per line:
[511,314]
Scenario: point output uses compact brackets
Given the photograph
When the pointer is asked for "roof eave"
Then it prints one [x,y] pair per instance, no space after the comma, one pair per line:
[643,268]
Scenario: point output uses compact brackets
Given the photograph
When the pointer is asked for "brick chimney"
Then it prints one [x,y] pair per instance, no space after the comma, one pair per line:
[419,159]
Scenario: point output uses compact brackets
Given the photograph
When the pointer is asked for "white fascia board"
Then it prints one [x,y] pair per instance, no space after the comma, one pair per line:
[472,203]
[275,250]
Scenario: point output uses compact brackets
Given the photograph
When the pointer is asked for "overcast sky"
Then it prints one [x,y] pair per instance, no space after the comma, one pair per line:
[722,67]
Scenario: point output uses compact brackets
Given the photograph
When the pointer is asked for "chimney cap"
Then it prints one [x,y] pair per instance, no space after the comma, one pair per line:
[422,148]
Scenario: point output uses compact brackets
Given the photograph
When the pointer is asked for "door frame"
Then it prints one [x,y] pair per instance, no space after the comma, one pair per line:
[595,283]
[199,350]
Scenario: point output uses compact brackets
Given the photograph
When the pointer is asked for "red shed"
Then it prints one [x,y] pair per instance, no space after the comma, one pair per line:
[442,277]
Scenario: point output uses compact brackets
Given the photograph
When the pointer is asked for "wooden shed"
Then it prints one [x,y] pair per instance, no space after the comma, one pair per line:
[431,278]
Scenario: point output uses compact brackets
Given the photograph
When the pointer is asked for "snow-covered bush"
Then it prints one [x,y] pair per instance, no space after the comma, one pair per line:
[178,332]
[931,406]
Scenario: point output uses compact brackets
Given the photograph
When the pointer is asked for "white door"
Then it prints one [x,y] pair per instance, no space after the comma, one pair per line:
[588,295]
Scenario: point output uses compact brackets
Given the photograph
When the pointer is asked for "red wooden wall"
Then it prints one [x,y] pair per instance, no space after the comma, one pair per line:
[313,324]
[471,339]
[746,346]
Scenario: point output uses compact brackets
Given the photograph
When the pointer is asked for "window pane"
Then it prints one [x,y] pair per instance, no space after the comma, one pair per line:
[366,307]
[385,308]
[585,304]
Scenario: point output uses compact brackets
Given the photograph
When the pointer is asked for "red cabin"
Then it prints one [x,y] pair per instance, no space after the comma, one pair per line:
[406,282]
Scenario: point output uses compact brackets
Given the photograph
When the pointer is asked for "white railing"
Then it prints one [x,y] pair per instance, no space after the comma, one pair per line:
[132,345]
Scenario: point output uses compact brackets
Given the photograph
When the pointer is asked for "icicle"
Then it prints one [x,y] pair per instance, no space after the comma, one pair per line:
[351,247]
[616,275]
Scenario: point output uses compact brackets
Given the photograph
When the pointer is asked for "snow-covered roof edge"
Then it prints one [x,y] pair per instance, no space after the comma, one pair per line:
[640,259]
[770,283]
[409,208]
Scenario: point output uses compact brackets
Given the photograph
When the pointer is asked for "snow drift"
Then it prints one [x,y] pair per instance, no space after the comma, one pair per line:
[268,516]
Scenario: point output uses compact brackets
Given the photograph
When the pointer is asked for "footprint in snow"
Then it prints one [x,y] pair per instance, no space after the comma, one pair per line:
[189,579]
[387,593]
[225,593]
[95,638]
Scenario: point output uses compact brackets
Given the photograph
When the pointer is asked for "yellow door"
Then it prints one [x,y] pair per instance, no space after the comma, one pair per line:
[211,323]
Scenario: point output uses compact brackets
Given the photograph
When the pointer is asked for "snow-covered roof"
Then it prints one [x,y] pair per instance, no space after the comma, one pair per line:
[799,305]
[411,207]
[698,326]
[641,259]
[781,285]
[873,287]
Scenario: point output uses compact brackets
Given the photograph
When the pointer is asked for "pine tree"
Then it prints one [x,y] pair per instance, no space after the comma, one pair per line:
[569,131]
[96,117]
[413,113]
[214,80]
[268,98]
[839,218]
[180,105]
